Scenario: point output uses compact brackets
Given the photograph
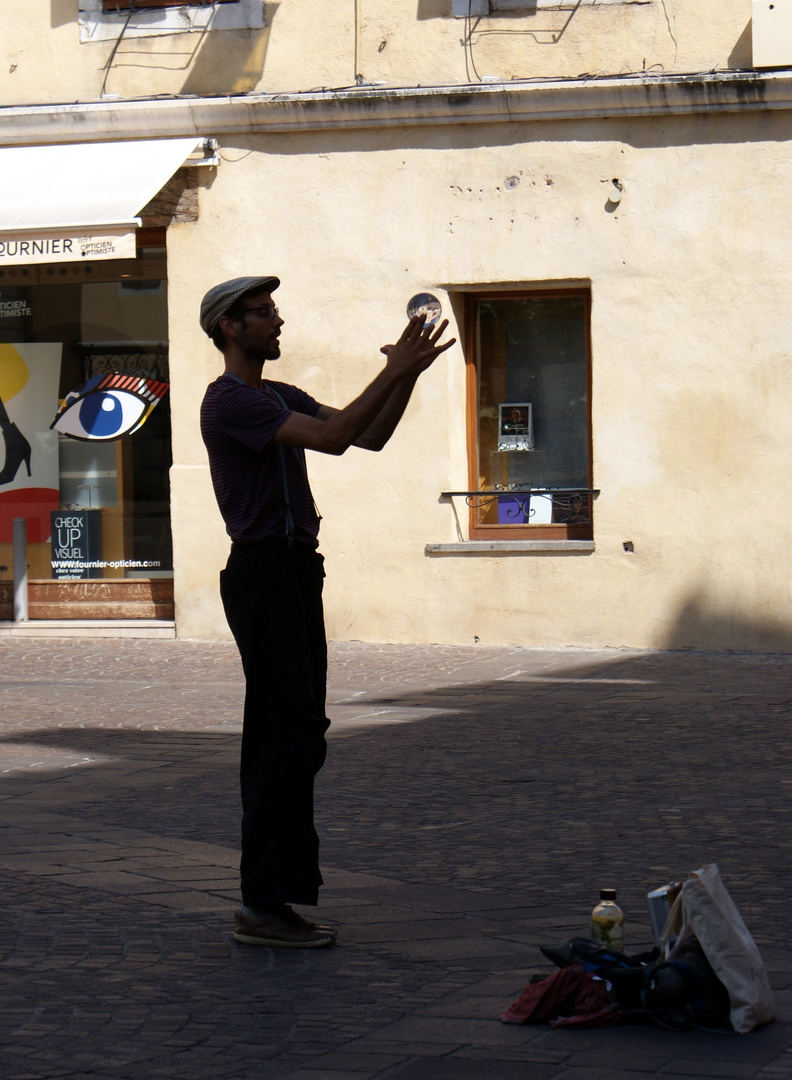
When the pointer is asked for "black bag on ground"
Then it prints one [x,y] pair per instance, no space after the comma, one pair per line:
[685,992]
[626,974]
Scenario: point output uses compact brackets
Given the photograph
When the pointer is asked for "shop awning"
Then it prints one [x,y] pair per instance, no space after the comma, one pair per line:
[71,202]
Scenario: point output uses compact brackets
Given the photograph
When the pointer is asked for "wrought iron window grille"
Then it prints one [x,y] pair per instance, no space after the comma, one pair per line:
[569,506]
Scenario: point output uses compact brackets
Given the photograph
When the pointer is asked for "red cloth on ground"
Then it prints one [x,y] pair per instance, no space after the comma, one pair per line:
[553,998]
[543,1001]
[609,1016]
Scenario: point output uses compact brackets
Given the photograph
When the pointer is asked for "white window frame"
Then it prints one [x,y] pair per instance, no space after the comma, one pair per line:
[461,9]
[99,25]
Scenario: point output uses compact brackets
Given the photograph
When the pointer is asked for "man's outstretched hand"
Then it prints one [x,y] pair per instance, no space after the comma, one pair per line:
[417,348]
[370,420]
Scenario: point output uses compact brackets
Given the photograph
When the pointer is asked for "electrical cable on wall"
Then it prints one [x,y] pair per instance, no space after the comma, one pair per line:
[470,27]
[357,73]
[670,31]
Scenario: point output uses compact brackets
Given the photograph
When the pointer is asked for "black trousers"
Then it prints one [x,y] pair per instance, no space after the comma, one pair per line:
[272,595]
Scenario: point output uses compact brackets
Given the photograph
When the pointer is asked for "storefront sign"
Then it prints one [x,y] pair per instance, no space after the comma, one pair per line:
[66,245]
[76,543]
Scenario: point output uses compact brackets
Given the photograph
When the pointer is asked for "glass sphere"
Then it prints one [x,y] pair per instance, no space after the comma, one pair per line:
[425,304]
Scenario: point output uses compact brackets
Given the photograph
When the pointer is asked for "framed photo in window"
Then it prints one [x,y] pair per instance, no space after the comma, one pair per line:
[515,425]
[572,508]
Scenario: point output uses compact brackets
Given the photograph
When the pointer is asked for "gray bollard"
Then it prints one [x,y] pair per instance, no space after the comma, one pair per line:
[20,570]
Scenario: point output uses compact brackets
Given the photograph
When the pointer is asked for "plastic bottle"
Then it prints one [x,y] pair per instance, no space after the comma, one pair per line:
[607,921]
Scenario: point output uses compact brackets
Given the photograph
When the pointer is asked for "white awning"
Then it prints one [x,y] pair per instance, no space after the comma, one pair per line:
[59,203]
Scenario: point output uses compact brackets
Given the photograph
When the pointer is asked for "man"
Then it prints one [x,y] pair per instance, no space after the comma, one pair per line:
[255,433]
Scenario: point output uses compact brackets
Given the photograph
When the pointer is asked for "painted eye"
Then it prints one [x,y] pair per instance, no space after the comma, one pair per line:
[101,416]
[107,407]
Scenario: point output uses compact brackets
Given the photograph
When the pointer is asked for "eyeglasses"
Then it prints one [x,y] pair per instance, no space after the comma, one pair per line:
[265,311]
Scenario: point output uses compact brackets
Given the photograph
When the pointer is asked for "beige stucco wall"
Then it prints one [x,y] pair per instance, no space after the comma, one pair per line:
[689,282]
[690,339]
[310,43]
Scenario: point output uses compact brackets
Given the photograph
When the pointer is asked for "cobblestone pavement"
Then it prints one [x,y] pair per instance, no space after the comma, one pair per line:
[474,802]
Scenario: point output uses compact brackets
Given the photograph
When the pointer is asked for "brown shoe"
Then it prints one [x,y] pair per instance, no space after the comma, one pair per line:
[281,929]
[302,921]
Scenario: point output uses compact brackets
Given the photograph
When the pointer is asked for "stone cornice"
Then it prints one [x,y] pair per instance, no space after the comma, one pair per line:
[365,107]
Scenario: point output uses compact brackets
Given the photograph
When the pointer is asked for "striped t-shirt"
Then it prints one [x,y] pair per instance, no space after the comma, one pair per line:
[237,424]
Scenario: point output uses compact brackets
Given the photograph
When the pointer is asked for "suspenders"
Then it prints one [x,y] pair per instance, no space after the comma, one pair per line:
[284,480]
[289,520]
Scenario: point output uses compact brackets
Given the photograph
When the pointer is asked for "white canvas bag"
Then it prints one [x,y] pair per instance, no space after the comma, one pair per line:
[705,911]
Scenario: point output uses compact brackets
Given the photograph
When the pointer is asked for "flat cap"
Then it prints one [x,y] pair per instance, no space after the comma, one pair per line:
[219,299]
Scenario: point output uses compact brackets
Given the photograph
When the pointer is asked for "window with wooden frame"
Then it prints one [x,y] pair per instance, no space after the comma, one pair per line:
[126,5]
[529,415]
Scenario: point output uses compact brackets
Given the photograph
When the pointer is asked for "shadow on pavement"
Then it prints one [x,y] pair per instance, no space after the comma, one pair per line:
[481,824]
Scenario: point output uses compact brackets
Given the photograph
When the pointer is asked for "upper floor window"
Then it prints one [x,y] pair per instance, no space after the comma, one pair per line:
[478,8]
[126,5]
[103,20]
[529,415]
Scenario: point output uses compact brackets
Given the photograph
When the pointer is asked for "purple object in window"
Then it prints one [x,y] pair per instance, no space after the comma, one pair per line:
[511,511]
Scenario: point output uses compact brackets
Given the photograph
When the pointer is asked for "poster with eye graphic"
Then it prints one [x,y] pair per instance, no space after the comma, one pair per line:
[29,375]
[108,406]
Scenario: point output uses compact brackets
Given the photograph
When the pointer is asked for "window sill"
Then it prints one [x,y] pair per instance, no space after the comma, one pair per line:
[508,547]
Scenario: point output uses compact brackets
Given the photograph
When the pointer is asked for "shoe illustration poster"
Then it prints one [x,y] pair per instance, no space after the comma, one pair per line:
[29,376]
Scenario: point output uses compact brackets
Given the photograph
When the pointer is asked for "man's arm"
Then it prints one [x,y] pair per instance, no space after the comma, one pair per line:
[374,414]
[384,424]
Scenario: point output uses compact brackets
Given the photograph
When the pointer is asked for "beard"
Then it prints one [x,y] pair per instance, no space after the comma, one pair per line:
[261,351]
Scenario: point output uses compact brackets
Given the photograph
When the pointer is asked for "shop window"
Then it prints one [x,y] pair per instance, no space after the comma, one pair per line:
[95,508]
[529,415]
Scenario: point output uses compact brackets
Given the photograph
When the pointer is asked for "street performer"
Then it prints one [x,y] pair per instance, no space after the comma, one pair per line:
[256,432]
